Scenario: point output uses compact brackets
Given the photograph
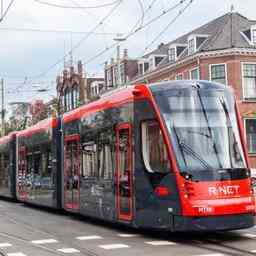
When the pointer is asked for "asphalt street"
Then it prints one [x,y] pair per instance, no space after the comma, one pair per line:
[28,231]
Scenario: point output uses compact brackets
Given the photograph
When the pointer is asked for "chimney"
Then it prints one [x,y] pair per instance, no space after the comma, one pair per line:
[160,45]
[80,68]
[125,54]
[65,74]
[72,70]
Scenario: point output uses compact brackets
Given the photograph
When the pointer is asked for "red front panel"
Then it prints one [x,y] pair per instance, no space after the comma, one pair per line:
[217,198]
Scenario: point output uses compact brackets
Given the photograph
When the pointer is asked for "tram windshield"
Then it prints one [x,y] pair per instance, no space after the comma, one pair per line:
[203,128]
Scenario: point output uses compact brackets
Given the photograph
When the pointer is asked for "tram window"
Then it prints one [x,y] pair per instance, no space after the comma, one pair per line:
[105,155]
[153,148]
[98,156]
[89,159]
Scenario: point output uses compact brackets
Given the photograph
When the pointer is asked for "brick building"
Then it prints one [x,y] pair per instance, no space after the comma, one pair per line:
[223,50]
[75,89]
[127,67]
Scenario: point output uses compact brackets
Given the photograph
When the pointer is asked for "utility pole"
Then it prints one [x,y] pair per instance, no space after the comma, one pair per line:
[2,108]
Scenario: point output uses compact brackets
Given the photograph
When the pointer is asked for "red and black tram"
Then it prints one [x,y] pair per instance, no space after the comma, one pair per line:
[169,155]
[38,176]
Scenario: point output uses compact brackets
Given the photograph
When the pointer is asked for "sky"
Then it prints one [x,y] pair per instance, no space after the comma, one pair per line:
[28,57]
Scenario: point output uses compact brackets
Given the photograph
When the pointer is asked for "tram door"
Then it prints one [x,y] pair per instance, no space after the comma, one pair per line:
[22,179]
[124,200]
[72,172]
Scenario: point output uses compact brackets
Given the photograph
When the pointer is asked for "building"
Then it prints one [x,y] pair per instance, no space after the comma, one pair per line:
[74,89]
[95,87]
[224,51]
[70,88]
[120,70]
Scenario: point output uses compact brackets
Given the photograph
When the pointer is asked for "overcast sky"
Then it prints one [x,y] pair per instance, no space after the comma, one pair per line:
[28,54]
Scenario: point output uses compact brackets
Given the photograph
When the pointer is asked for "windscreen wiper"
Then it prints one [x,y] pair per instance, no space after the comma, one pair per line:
[209,128]
[183,146]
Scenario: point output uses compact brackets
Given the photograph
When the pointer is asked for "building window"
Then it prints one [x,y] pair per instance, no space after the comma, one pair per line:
[109,78]
[151,63]
[172,54]
[191,46]
[194,74]
[146,66]
[122,73]
[218,73]
[250,127]
[179,77]
[141,68]
[253,36]
[249,79]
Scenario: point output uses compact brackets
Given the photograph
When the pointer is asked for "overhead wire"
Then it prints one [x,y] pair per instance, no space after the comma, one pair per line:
[7,10]
[76,7]
[142,11]
[56,31]
[80,41]
[167,27]
[135,31]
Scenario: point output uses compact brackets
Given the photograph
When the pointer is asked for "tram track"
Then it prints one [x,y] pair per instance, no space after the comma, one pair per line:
[32,228]
[211,242]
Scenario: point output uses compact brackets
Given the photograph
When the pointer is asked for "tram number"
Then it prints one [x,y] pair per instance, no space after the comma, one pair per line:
[205,209]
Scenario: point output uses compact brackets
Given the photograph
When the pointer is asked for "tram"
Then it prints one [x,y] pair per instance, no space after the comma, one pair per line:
[38,176]
[169,156]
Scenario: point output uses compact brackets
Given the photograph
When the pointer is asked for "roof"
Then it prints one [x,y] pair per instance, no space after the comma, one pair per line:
[227,31]
[223,32]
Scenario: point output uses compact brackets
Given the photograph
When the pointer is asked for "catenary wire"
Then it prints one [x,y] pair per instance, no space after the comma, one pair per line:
[136,30]
[167,27]
[56,31]
[75,7]
[7,10]
[81,41]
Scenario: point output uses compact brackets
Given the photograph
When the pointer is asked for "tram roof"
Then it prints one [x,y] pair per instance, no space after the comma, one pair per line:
[120,96]
[110,99]
[5,139]
[39,127]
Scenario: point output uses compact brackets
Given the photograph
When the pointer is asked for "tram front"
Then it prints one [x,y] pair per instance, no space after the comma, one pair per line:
[208,155]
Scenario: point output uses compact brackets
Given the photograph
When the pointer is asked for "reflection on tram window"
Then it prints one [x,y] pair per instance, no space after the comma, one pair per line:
[153,148]
[98,155]
[4,169]
[39,168]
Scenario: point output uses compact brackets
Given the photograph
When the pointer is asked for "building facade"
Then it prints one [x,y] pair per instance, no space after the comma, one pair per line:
[120,71]
[75,89]
[224,51]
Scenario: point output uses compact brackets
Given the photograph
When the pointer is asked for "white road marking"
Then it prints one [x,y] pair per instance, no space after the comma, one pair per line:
[68,250]
[4,245]
[44,241]
[113,246]
[82,238]
[249,235]
[127,235]
[160,243]
[212,254]
[16,254]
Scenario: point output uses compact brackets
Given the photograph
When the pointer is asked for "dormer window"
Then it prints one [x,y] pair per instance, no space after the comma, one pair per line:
[175,50]
[172,54]
[253,32]
[143,66]
[250,35]
[191,46]
[154,60]
[194,42]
